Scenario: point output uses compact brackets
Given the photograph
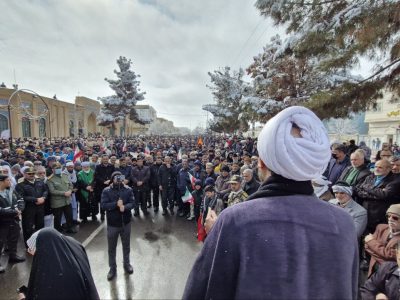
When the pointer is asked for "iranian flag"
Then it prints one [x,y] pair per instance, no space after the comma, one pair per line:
[187,197]
[104,146]
[146,150]
[192,180]
[78,152]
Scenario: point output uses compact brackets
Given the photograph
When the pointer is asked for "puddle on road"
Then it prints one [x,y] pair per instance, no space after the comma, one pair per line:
[151,236]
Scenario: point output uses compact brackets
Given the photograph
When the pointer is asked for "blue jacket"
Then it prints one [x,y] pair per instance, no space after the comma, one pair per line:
[109,198]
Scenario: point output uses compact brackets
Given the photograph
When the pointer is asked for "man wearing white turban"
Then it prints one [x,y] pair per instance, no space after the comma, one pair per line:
[284,242]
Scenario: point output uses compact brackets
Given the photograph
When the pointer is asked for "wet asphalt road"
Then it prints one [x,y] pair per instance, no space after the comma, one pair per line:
[163,250]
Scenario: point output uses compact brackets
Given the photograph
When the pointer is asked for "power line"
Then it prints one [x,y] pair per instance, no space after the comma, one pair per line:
[168,114]
[256,41]
[245,43]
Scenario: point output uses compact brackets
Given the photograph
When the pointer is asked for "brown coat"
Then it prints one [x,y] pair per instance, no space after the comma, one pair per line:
[380,248]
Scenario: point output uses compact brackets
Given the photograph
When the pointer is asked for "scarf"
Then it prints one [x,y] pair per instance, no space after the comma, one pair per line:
[276,185]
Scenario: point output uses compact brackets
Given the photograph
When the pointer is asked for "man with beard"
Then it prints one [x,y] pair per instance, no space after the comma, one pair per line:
[101,179]
[167,184]
[153,183]
[378,192]
[117,200]
[222,186]
[251,185]
[256,249]
[140,177]
[358,171]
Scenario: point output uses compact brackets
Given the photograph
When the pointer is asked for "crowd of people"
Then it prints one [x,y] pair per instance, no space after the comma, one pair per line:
[65,182]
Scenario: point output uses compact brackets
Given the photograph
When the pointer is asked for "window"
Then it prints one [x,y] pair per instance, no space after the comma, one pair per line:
[26,127]
[3,123]
[71,127]
[42,127]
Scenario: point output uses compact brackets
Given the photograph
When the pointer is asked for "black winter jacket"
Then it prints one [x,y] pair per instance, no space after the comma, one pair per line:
[386,280]
[109,198]
[167,176]
[8,212]
[102,173]
[377,199]
[31,191]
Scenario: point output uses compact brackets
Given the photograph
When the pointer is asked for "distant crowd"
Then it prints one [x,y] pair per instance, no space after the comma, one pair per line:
[59,183]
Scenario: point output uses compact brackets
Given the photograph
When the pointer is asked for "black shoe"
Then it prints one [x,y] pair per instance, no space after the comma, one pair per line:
[128,269]
[76,222]
[94,218]
[171,210]
[15,259]
[146,213]
[136,214]
[84,220]
[102,217]
[72,230]
[164,212]
[156,209]
[111,274]
[2,269]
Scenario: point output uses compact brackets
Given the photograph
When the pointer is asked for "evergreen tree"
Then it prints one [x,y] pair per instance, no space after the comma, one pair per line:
[282,79]
[127,93]
[228,90]
[337,33]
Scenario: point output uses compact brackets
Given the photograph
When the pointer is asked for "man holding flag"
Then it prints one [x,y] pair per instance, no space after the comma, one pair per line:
[184,187]
[78,152]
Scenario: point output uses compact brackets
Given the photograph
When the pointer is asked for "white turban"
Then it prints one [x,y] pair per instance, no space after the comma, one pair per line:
[342,189]
[298,158]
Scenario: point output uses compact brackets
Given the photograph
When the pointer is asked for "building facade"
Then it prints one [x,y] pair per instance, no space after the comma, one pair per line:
[384,121]
[33,115]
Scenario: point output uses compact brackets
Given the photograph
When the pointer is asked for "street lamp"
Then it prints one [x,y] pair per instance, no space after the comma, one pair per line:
[35,95]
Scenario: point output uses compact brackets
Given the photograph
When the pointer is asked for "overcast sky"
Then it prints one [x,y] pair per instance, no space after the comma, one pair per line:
[68,47]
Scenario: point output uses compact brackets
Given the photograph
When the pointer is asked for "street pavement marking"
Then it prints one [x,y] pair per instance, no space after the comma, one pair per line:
[93,235]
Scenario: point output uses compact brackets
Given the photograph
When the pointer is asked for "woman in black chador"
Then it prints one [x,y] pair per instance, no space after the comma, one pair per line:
[60,268]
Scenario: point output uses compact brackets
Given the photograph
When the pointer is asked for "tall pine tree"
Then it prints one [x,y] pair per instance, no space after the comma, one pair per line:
[127,93]
[228,90]
[338,33]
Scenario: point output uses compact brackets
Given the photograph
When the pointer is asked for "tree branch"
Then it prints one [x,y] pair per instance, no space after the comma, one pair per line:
[380,71]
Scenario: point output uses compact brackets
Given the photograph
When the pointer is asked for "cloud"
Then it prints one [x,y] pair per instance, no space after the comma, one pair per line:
[69,47]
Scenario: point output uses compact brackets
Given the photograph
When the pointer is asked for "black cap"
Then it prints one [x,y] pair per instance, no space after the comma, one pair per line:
[225,168]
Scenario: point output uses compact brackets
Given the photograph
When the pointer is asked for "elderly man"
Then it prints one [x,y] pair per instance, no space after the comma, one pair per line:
[377,192]
[383,284]
[343,199]
[272,245]
[358,171]
[382,244]
[250,185]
